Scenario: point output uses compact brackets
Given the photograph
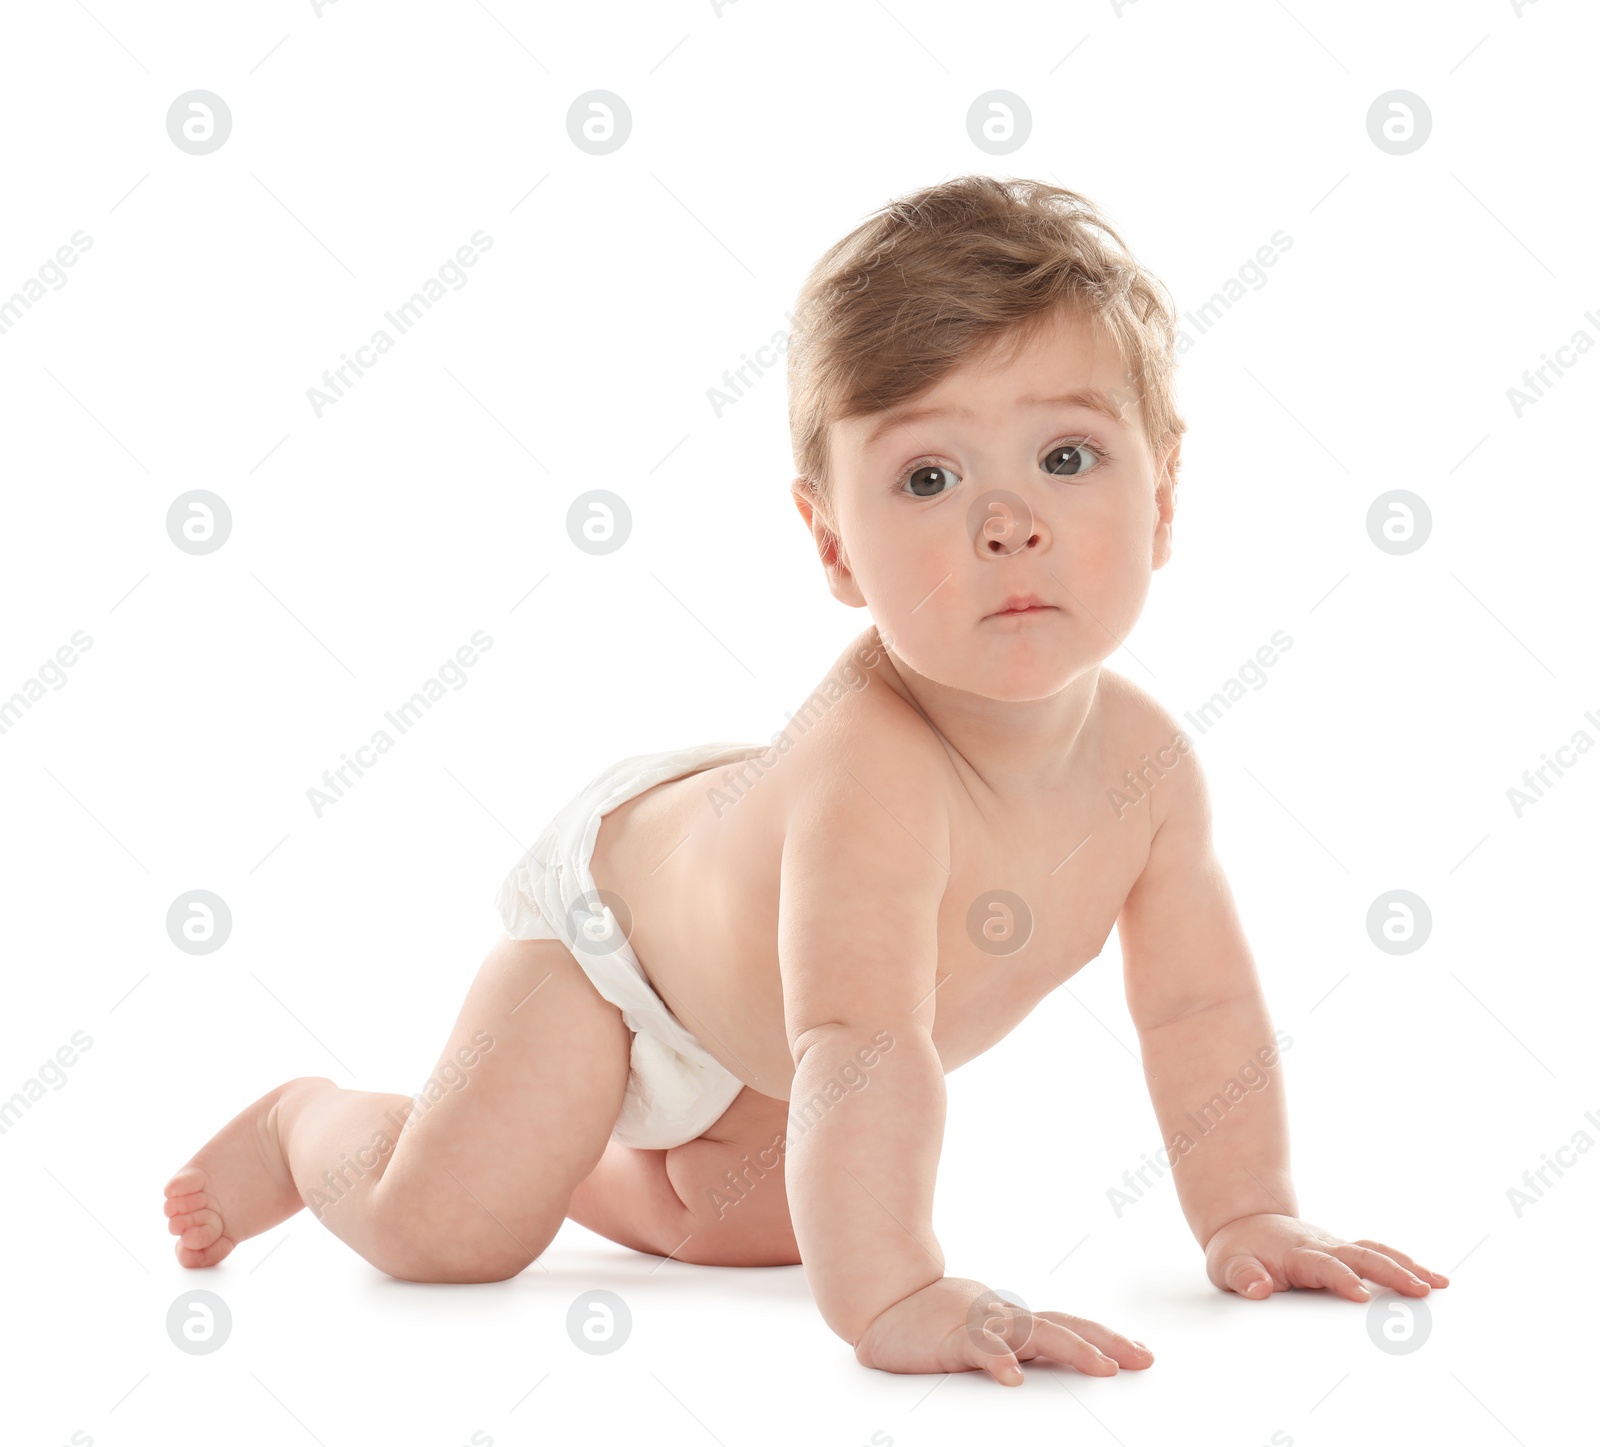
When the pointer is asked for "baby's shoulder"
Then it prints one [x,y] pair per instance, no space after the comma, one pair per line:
[1131,712]
[871,752]
[1143,731]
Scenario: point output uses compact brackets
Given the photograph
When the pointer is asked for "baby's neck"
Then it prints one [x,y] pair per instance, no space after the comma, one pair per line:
[1014,749]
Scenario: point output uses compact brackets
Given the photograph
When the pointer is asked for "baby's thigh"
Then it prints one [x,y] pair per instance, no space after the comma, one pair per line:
[522,1101]
[731,1179]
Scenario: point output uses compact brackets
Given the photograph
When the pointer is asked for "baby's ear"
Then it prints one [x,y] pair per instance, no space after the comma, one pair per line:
[829,546]
[1166,495]
[1171,459]
[805,500]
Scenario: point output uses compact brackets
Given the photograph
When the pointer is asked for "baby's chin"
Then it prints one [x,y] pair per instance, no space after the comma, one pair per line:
[1007,674]
[1029,686]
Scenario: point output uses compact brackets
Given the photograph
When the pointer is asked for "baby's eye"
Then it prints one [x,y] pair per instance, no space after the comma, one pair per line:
[927,479]
[1070,459]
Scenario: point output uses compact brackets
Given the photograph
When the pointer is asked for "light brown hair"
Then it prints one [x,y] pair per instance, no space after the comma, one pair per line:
[968,267]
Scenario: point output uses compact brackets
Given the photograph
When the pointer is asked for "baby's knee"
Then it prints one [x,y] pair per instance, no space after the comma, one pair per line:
[451,1267]
[461,1249]
[747,1231]
[709,1246]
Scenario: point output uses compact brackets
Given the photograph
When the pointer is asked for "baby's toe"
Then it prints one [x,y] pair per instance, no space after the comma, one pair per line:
[188,1181]
[204,1228]
[207,1257]
[177,1225]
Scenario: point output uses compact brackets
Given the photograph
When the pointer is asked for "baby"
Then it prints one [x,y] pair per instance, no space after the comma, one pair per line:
[733,976]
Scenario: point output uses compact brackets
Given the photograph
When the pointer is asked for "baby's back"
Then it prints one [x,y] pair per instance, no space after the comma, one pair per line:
[1032,885]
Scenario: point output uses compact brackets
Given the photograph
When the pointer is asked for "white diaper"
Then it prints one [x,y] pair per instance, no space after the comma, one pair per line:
[676,1090]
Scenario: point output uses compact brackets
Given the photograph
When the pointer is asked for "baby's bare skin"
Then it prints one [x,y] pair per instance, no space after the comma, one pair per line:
[698,859]
[838,917]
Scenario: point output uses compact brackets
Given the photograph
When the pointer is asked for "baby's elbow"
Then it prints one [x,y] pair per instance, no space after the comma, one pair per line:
[836,1042]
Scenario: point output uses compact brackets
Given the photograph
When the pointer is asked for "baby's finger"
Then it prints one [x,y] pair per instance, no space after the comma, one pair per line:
[1247,1276]
[1123,1350]
[986,1350]
[1308,1267]
[1062,1344]
[1375,1266]
[1435,1278]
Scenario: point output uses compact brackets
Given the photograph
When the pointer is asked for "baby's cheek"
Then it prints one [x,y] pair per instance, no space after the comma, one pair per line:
[923,587]
[1109,572]
[1095,558]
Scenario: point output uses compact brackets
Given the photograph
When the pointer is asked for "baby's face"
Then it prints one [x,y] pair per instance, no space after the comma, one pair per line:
[994,485]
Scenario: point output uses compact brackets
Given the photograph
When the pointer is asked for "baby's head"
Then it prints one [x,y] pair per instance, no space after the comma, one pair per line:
[980,401]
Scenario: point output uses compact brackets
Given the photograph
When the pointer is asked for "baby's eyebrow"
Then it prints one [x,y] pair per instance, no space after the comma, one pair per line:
[1090,398]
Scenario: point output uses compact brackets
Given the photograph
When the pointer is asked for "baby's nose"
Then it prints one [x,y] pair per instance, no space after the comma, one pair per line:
[1001,523]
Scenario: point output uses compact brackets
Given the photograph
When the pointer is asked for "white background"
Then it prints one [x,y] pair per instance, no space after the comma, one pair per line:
[369,544]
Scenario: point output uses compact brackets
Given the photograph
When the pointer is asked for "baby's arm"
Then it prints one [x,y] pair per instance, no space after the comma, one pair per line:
[863,869]
[865,862]
[1212,1068]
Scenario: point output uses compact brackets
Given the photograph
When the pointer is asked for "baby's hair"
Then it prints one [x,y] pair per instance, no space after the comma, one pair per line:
[948,273]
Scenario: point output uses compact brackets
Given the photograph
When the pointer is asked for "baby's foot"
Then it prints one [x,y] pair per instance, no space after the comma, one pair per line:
[237,1186]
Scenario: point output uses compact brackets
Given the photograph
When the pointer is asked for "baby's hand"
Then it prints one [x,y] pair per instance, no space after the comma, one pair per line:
[1257,1255]
[956,1325]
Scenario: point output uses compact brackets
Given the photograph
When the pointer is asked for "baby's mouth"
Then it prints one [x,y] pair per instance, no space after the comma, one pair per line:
[1026,610]
[1022,605]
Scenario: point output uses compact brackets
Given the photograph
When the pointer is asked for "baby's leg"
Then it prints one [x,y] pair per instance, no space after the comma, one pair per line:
[477,1183]
[718,1200]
